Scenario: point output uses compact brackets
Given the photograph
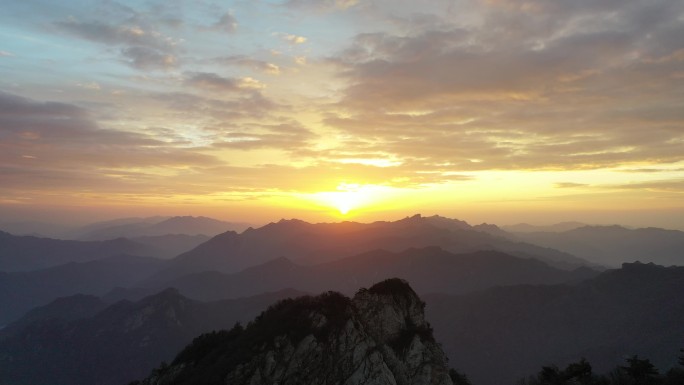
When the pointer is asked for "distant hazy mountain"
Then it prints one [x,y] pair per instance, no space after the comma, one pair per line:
[25,253]
[36,229]
[504,334]
[21,291]
[175,225]
[171,245]
[429,270]
[555,228]
[79,232]
[613,245]
[317,243]
[118,344]
[494,336]
[64,309]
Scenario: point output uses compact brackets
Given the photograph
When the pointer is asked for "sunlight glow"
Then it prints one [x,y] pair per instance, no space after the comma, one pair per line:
[349,196]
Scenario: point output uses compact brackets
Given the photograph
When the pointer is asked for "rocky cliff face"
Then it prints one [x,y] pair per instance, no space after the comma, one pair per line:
[378,337]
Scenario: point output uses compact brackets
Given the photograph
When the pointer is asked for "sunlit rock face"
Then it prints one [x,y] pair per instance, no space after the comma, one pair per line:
[379,336]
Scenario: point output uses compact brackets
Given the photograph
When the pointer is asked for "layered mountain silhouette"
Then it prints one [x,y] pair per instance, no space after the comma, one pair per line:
[171,245]
[75,341]
[429,269]
[153,227]
[555,228]
[63,308]
[503,304]
[323,242]
[81,231]
[613,245]
[379,336]
[495,336]
[503,334]
[21,291]
[25,253]
[36,229]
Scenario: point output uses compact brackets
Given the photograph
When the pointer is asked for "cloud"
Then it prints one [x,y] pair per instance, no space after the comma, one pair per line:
[129,35]
[226,23]
[60,147]
[148,58]
[300,60]
[244,61]
[651,170]
[213,82]
[290,38]
[667,185]
[243,104]
[531,85]
[322,176]
[141,48]
[286,136]
[569,185]
[6,54]
[321,5]
[90,86]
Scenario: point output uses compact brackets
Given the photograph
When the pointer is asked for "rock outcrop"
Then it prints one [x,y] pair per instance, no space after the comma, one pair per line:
[380,336]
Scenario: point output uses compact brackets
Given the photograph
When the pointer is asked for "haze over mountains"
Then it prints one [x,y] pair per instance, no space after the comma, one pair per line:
[323,242]
[125,228]
[21,291]
[430,270]
[613,245]
[118,343]
[528,228]
[505,333]
[490,293]
[26,253]
[496,336]
[174,225]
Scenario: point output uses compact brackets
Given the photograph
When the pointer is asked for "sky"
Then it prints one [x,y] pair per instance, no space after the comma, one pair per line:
[499,111]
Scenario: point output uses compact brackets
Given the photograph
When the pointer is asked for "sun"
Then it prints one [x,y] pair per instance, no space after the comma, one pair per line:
[345,201]
[348,197]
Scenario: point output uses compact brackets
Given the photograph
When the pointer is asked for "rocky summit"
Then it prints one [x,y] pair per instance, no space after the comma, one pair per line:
[379,336]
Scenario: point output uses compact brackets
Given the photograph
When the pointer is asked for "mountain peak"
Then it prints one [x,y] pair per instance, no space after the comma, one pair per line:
[189,219]
[392,286]
[292,221]
[370,339]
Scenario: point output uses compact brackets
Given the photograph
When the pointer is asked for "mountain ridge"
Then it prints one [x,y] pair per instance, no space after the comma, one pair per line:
[429,269]
[324,242]
[379,336]
[119,343]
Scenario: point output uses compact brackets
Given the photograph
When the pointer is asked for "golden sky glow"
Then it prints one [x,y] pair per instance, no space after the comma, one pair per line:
[498,111]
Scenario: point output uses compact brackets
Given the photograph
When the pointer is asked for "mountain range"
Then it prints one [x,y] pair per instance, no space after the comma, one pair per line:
[323,242]
[429,269]
[511,301]
[25,253]
[125,228]
[175,225]
[554,228]
[70,268]
[495,336]
[501,335]
[77,341]
[613,245]
[21,291]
